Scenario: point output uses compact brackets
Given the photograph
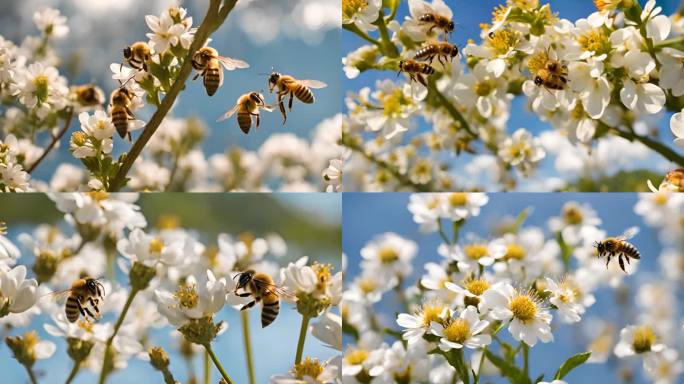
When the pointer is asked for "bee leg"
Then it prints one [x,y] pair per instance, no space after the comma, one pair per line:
[89,313]
[607,260]
[94,305]
[196,76]
[431,29]
[627,258]
[248,305]
[243,294]
[258,119]
[622,263]
[421,80]
[281,105]
[289,103]
[80,307]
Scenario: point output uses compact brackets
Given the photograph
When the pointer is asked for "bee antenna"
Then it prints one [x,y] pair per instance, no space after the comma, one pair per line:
[126,82]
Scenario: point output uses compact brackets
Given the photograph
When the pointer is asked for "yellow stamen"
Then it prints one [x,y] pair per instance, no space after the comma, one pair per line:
[430,313]
[351,7]
[503,40]
[572,214]
[388,255]
[644,338]
[458,199]
[515,252]
[476,251]
[307,368]
[187,296]
[524,307]
[458,331]
[476,286]
[356,357]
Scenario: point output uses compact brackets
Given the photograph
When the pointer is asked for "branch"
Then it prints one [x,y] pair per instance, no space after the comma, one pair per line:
[211,22]
[354,29]
[656,146]
[444,102]
[67,123]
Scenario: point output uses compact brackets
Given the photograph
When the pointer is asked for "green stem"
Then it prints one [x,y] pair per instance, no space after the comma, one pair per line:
[217,363]
[389,49]
[31,375]
[670,42]
[654,145]
[444,102]
[213,19]
[442,234]
[526,358]
[108,353]
[476,379]
[465,375]
[354,29]
[55,140]
[74,372]
[244,315]
[207,371]
[302,337]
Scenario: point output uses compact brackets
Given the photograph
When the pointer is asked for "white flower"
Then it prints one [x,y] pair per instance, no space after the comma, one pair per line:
[167,33]
[672,71]
[99,125]
[112,213]
[637,340]
[192,299]
[418,324]
[522,150]
[333,175]
[575,222]
[326,373]
[663,367]
[462,331]
[426,209]
[9,253]
[417,30]
[389,254]
[677,127]
[40,87]
[361,13]
[51,23]
[529,321]
[477,252]
[567,297]
[328,329]
[480,89]
[150,250]
[17,294]
[460,206]
[593,88]
[644,98]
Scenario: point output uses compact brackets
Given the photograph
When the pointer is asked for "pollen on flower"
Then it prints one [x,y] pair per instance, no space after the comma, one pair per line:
[515,252]
[79,138]
[85,325]
[538,61]
[458,331]
[351,7]
[520,149]
[394,102]
[307,368]
[458,199]
[156,245]
[572,214]
[660,198]
[527,5]
[356,357]
[388,255]
[476,286]
[606,5]
[404,376]
[476,251]
[596,41]
[523,306]
[367,285]
[483,88]
[98,195]
[186,296]
[41,82]
[503,40]
[430,313]
[644,338]
[322,274]
[499,14]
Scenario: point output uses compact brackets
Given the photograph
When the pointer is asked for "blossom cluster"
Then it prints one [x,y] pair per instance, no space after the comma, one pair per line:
[490,298]
[601,83]
[168,278]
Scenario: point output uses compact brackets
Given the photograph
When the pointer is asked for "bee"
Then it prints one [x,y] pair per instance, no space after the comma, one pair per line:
[120,110]
[552,76]
[435,20]
[247,105]
[289,85]
[441,50]
[261,287]
[81,293]
[208,64]
[415,70]
[88,95]
[138,55]
[618,246]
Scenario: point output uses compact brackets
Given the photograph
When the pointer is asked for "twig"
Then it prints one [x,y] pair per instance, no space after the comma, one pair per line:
[217,363]
[302,337]
[110,340]
[55,140]
[244,315]
[354,29]
[213,19]
[73,373]
[444,102]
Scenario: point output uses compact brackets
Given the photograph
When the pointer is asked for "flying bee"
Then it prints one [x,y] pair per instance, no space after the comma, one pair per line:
[120,110]
[415,70]
[435,20]
[88,95]
[441,50]
[138,55]
[618,246]
[289,85]
[81,293]
[553,75]
[247,105]
[261,288]
[208,64]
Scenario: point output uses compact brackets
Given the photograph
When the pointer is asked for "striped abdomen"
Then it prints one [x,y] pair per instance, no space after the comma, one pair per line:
[71,309]
[269,310]
[630,250]
[120,120]
[244,121]
[427,70]
[212,79]
[303,93]
[426,52]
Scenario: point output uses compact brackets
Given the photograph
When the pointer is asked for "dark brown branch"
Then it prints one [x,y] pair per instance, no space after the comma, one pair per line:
[55,140]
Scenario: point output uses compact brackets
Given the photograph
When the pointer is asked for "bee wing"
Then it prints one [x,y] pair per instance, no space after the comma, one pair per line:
[629,233]
[58,295]
[280,291]
[229,113]
[315,84]
[231,64]
[268,108]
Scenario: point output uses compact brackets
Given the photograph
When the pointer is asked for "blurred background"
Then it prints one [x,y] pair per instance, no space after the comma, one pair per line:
[296,37]
[367,215]
[309,224]
[468,15]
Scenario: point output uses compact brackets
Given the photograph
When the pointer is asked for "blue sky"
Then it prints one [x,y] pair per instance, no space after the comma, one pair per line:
[274,347]
[468,15]
[366,215]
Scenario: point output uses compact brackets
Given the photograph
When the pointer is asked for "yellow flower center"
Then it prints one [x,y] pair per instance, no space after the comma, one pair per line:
[356,357]
[30,340]
[323,273]
[606,5]
[660,198]
[537,62]
[85,325]
[519,149]
[367,285]
[477,286]
[527,5]
[644,338]
[503,40]
[483,88]
[394,102]
[433,203]
[3,228]
[431,313]
[352,7]
[98,195]
[476,251]
[388,255]
[515,252]
[523,307]
[458,199]
[572,215]
[41,83]
[79,138]
[168,222]
[404,377]
[307,368]
[595,41]
[187,296]
[458,331]
[211,253]
[577,112]
[498,15]
[156,245]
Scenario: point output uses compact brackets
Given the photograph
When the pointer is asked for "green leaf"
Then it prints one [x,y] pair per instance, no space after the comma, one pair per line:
[507,369]
[538,379]
[571,363]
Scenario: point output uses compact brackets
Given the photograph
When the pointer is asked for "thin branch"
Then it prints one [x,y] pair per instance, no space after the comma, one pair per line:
[211,22]
[656,146]
[444,102]
[55,140]
[354,29]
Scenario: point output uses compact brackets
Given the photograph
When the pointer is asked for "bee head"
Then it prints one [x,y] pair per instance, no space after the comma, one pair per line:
[450,26]
[127,52]
[538,80]
[454,51]
[599,246]
[256,97]
[553,66]
[244,278]
[273,77]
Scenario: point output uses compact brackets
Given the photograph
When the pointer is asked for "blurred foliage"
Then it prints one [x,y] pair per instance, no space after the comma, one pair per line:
[211,214]
[623,181]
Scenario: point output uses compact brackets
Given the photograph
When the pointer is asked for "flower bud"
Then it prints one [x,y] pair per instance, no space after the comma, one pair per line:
[23,348]
[45,266]
[78,349]
[141,275]
[201,331]
[158,358]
